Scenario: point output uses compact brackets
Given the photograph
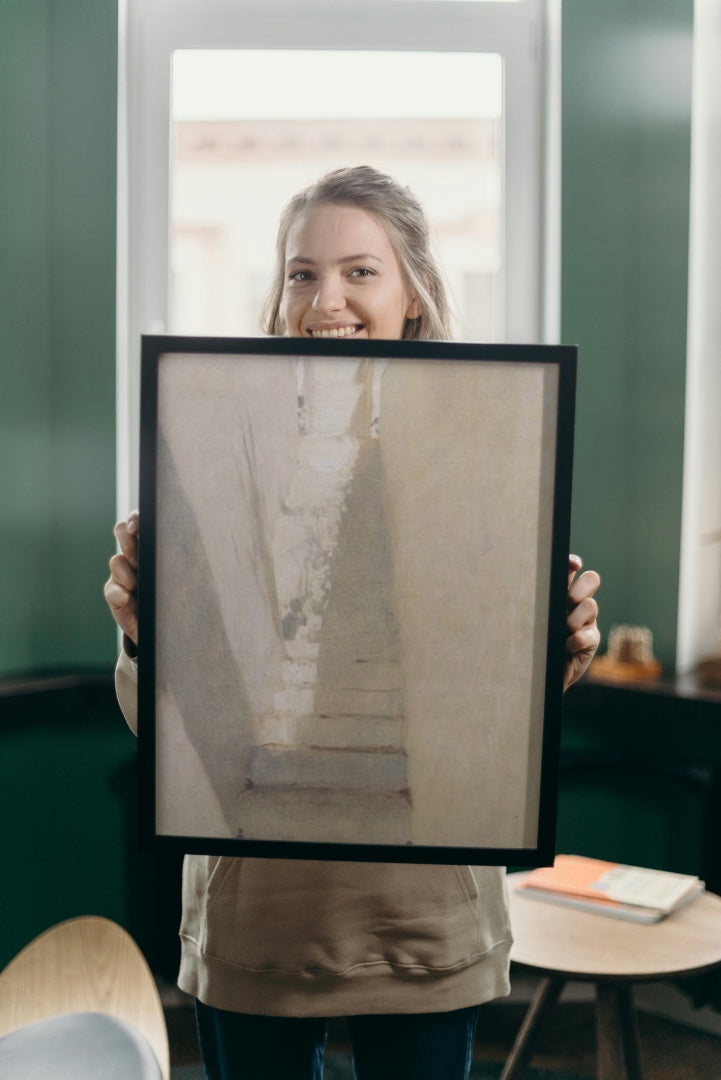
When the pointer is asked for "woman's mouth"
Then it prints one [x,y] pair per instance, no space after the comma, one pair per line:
[335,331]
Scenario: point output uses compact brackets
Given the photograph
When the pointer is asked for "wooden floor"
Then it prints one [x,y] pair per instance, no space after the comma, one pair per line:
[669,1051]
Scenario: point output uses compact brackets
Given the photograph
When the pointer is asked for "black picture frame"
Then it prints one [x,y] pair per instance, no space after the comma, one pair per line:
[353,571]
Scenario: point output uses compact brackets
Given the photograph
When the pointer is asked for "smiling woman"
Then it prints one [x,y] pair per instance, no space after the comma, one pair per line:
[328,524]
[331,292]
[353,259]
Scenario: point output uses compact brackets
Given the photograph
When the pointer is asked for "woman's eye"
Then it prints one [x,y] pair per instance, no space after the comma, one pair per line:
[300,276]
[362,272]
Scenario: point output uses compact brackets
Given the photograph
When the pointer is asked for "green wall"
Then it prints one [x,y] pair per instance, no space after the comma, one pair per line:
[67,772]
[69,808]
[641,779]
[626,146]
[58,71]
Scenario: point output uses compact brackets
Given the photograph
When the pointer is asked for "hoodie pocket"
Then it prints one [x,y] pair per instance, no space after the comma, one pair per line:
[468,884]
[294,916]
[202,875]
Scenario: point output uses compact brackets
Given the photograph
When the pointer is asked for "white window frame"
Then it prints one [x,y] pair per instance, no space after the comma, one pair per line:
[699,597]
[526,34]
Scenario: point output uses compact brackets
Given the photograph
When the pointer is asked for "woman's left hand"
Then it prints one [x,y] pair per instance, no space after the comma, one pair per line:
[582,634]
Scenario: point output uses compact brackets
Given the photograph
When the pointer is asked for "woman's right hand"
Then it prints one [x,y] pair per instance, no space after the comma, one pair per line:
[121,587]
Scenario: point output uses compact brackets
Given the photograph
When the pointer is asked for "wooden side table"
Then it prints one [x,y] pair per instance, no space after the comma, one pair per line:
[563,945]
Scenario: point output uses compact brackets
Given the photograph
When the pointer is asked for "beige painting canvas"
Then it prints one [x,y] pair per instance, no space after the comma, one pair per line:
[351,598]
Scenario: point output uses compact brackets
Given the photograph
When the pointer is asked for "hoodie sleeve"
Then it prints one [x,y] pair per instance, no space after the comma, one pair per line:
[126,688]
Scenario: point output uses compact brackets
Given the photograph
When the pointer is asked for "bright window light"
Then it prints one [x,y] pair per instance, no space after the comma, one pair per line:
[258,84]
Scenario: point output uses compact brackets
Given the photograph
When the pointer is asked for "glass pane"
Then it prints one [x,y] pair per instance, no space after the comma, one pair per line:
[250,128]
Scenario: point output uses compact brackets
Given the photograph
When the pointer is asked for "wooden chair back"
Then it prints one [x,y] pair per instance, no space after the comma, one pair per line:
[87,964]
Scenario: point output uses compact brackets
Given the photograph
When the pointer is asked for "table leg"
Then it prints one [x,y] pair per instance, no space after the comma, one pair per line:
[617,1033]
[545,997]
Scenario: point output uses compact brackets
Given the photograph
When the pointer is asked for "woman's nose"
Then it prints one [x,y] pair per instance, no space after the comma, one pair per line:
[329,296]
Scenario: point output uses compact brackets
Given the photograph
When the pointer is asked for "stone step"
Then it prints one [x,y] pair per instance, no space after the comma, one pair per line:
[369,674]
[357,675]
[333,732]
[302,650]
[341,817]
[295,701]
[339,770]
[336,701]
[299,672]
[340,701]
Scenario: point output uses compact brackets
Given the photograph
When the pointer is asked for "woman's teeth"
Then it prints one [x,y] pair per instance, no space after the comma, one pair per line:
[337,331]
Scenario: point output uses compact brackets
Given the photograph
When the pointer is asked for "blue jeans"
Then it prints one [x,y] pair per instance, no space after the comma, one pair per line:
[415,1046]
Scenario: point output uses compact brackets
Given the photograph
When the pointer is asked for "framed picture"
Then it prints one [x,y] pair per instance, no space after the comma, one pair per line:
[352,597]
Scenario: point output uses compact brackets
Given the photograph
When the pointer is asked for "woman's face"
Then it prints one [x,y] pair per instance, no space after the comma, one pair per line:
[342,277]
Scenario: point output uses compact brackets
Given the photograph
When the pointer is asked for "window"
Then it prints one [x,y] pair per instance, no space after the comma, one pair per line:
[227,107]
[235,161]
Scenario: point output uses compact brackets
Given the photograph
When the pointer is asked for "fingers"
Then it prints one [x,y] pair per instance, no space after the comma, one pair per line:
[121,587]
[575,562]
[583,587]
[583,613]
[120,601]
[582,633]
[582,607]
[123,572]
[123,607]
[126,533]
[586,641]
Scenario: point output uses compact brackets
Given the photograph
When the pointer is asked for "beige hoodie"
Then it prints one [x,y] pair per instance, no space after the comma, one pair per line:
[285,937]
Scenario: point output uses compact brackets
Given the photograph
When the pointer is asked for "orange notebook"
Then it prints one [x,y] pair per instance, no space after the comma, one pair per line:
[631,892]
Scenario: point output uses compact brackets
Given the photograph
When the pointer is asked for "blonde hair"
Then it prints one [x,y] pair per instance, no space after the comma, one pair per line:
[403,217]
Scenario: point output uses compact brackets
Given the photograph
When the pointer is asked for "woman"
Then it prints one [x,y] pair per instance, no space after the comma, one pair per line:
[271,948]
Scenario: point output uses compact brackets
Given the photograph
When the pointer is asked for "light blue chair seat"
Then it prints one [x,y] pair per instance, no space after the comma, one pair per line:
[79,1002]
[78,1046]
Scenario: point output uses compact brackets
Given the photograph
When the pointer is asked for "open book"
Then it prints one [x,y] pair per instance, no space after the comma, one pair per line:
[608,888]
